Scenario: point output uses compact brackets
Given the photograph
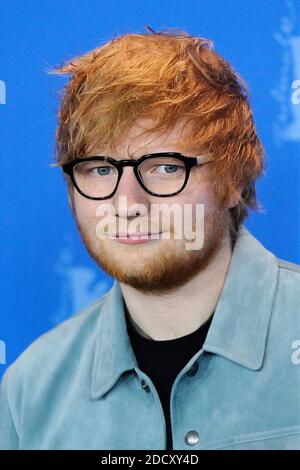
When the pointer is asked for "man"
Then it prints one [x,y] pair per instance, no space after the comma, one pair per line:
[196,345]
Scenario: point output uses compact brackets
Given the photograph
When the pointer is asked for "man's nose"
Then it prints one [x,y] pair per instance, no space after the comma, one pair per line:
[134,200]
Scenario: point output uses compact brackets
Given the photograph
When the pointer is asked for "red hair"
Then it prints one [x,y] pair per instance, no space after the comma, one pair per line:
[168,75]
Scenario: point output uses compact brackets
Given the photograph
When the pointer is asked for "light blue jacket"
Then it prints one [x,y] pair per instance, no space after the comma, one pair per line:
[78,386]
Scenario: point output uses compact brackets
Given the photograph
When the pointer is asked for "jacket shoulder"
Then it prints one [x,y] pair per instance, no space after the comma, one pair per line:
[289,281]
[287,299]
[288,266]
[50,350]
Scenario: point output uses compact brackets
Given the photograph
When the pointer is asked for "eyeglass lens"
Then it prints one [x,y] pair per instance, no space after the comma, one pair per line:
[161,175]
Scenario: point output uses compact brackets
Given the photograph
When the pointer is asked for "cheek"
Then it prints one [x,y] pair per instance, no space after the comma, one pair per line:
[209,203]
[85,208]
[200,195]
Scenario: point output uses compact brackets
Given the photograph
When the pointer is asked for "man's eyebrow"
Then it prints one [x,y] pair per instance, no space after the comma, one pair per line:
[131,157]
[118,157]
[114,156]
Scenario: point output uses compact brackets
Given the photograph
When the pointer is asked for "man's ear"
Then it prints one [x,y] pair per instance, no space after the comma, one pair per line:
[70,195]
[235,196]
[70,201]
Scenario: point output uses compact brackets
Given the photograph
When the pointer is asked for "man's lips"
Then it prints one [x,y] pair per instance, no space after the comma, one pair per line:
[135,237]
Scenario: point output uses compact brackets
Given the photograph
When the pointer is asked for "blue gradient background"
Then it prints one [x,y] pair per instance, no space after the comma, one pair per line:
[46,274]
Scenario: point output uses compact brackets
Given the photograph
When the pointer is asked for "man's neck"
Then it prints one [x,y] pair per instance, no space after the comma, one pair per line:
[136,326]
[178,314]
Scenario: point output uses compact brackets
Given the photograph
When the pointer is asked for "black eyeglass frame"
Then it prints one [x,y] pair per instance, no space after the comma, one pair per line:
[188,162]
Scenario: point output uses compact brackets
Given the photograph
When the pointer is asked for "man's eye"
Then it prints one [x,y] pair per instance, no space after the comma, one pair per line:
[100,170]
[168,169]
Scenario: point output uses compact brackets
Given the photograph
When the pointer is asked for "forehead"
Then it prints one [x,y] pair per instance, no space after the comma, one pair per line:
[133,145]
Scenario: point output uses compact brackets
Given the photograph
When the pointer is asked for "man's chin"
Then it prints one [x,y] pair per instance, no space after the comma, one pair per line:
[148,271]
[156,266]
[139,265]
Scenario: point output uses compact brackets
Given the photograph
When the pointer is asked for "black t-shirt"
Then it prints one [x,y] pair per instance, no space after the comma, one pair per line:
[163,360]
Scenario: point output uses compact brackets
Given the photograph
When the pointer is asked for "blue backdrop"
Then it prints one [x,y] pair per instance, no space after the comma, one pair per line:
[46,274]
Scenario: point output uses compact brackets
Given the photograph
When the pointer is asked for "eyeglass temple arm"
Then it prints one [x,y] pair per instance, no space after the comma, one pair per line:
[207,157]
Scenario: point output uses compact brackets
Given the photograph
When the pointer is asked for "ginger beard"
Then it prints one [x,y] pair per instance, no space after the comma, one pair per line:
[156,266]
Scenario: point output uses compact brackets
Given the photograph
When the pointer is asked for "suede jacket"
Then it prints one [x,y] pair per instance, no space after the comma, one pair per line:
[78,386]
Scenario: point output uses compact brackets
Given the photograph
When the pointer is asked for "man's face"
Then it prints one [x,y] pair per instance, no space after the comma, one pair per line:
[160,265]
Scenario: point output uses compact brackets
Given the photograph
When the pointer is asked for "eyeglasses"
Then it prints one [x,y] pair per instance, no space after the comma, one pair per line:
[160,174]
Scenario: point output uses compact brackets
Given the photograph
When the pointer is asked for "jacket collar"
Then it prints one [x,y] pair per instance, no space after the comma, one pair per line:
[113,352]
[240,323]
[239,326]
